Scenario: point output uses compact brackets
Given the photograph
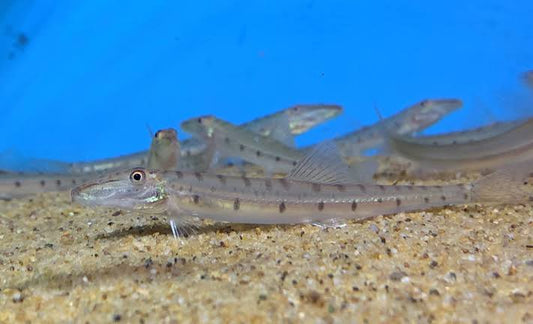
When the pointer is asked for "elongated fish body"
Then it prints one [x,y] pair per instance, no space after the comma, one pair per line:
[234,141]
[110,164]
[163,155]
[15,185]
[413,119]
[512,146]
[316,190]
[288,201]
[466,136]
[295,120]
[299,118]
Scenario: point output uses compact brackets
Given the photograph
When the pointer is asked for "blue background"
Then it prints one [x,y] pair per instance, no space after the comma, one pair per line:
[92,74]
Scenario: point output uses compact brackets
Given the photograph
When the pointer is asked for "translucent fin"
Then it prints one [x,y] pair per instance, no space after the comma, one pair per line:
[323,165]
[181,225]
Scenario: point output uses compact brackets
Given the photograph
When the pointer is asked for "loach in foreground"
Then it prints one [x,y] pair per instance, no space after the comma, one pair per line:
[318,190]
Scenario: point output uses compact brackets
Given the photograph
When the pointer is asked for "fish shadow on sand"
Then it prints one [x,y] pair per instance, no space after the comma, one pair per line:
[187,231]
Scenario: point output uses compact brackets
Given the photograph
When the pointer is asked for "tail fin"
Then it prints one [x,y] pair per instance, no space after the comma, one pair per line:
[512,184]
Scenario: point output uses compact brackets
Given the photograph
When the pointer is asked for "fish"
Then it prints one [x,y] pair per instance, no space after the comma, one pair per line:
[282,125]
[194,153]
[485,154]
[316,191]
[234,141]
[466,136]
[163,153]
[410,120]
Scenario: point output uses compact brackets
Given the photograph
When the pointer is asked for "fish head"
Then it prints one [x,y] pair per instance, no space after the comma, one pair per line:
[135,189]
[426,113]
[301,118]
[199,126]
[167,135]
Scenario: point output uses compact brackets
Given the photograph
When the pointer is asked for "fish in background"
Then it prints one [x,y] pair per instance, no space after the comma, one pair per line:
[281,126]
[410,120]
[318,190]
[503,145]
[276,157]
[272,156]
[465,136]
[163,155]
[233,141]
[195,154]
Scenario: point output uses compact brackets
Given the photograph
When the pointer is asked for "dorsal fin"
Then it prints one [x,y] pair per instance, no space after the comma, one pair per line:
[323,164]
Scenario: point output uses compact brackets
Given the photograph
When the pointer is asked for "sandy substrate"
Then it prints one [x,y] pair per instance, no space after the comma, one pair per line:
[62,262]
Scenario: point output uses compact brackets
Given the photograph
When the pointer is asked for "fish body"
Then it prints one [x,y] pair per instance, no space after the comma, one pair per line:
[316,190]
[466,136]
[412,119]
[234,141]
[512,146]
[163,155]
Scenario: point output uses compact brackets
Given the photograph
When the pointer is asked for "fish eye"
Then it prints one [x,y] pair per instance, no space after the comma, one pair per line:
[156,134]
[199,120]
[137,176]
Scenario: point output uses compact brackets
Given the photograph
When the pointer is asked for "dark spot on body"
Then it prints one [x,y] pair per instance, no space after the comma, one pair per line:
[465,196]
[43,183]
[246,181]
[354,205]
[278,158]
[179,174]
[221,178]
[362,188]
[73,181]
[58,182]
[380,200]
[17,184]
[294,163]
[236,204]
[282,207]
[258,153]
[196,199]
[426,200]
[443,198]
[227,140]
[340,187]
[198,176]
[241,147]
[320,206]
[382,188]
[398,202]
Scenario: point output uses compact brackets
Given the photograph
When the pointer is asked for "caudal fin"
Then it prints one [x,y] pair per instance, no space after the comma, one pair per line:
[512,184]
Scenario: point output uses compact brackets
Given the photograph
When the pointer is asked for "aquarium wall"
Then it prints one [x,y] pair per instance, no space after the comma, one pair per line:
[88,80]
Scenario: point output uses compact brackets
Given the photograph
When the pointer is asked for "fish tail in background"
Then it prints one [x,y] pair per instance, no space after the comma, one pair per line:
[512,184]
